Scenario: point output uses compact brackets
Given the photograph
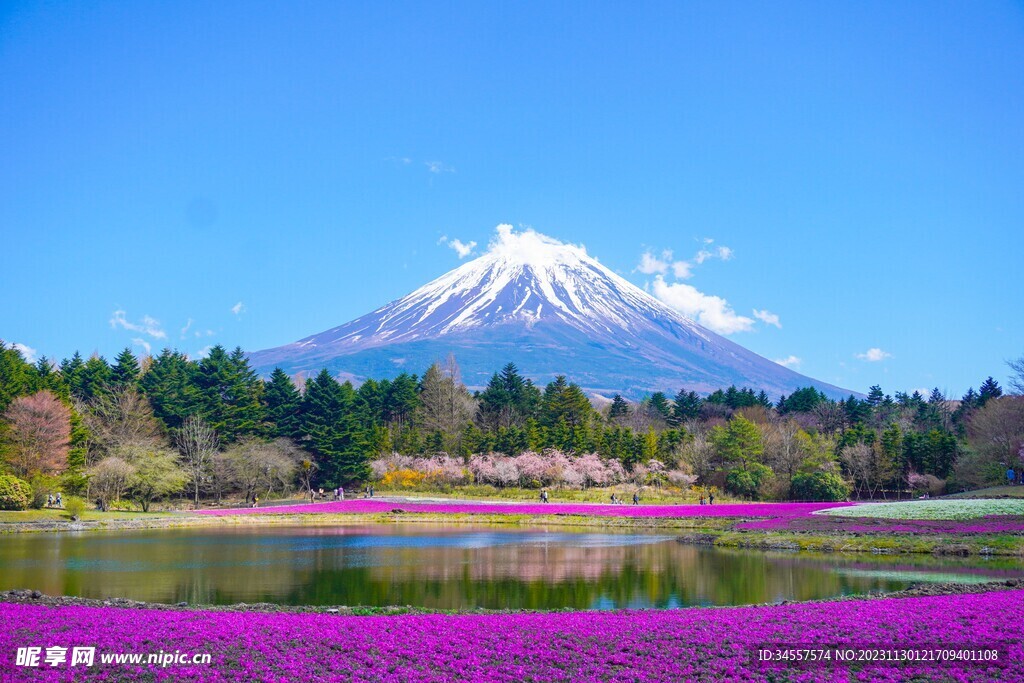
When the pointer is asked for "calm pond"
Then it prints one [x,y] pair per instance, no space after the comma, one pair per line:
[449,567]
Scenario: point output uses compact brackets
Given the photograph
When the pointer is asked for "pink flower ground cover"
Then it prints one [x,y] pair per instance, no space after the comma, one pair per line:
[993,524]
[367,506]
[678,645]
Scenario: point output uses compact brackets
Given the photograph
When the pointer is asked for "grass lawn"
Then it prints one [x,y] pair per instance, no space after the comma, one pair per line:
[992,492]
[932,509]
[58,515]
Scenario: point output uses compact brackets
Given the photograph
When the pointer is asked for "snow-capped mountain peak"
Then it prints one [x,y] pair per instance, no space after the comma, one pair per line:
[523,277]
[548,306]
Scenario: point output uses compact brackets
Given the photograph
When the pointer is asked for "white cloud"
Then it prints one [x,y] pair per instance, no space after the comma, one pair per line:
[143,343]
[184,330]
[682,270]
[768,318]
[438,167]
[702,256]
[27,352]
[204,352]
[463,249]
[238,308]
[712,312]
[724,253]
[790,362]
[149,326]
[651,264]
[874,355]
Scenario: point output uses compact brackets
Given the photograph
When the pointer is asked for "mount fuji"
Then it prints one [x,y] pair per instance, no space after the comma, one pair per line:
[551,309]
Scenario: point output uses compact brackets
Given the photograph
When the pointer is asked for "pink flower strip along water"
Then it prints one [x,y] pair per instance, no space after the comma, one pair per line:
[367,506]
[994,524]
[692,644]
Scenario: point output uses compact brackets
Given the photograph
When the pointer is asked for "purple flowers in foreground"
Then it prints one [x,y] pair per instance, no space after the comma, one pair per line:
[690,644]
[364,506]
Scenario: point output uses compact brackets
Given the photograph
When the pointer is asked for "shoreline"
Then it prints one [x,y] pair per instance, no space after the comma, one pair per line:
[33,597]
[717,531]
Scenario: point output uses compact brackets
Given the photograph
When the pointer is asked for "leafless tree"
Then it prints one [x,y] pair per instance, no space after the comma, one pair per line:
[120,417]
[306,469]
[261,465]
[109,479]
[445,404]
[1017,378]
[861,461]
[197,442]
[996,436]
[782,451]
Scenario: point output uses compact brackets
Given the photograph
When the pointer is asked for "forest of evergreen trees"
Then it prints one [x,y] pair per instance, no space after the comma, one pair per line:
[169,426]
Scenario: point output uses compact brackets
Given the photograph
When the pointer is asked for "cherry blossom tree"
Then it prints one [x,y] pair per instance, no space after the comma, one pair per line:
[38,435]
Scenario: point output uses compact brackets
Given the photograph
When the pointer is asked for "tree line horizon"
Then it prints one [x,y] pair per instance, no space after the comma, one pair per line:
[151,427]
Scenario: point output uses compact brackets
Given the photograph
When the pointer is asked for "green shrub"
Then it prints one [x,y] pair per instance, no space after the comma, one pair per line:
[75,507]
[15,494]
[750,481]
[820,486]
[42,486]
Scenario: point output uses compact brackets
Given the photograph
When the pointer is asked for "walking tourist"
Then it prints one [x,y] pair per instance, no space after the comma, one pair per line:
[255,500]
[636,498]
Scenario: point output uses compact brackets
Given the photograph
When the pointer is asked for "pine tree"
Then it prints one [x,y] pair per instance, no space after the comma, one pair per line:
[508,399]
[282,405]
[94,378]
[335,436]
[71,371]
[687,407]
[125,372]
[989,390]
[619,408]
[564,402]
[170,386]
[230,394]
[16,376]
[658,405]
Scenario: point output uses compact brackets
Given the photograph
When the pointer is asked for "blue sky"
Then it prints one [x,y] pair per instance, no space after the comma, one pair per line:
[165,163]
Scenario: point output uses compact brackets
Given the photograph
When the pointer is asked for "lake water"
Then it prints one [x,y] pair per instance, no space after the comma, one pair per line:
[449,567]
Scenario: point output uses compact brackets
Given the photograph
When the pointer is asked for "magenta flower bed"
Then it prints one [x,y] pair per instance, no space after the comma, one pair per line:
[365,506]
[682,645]
[993,524]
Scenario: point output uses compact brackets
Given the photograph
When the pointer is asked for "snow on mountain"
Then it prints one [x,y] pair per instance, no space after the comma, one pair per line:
[550,308]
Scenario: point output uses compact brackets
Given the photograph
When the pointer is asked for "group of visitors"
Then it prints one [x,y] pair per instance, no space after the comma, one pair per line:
[318,494]
[1015,477]
[710,499]
[618,501]
[54,500]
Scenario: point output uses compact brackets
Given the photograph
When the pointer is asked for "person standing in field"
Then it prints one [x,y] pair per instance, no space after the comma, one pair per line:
[636,498]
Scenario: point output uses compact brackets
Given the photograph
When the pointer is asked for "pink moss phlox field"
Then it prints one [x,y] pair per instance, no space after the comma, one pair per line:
[993,524]
[367,506]
[676,645]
